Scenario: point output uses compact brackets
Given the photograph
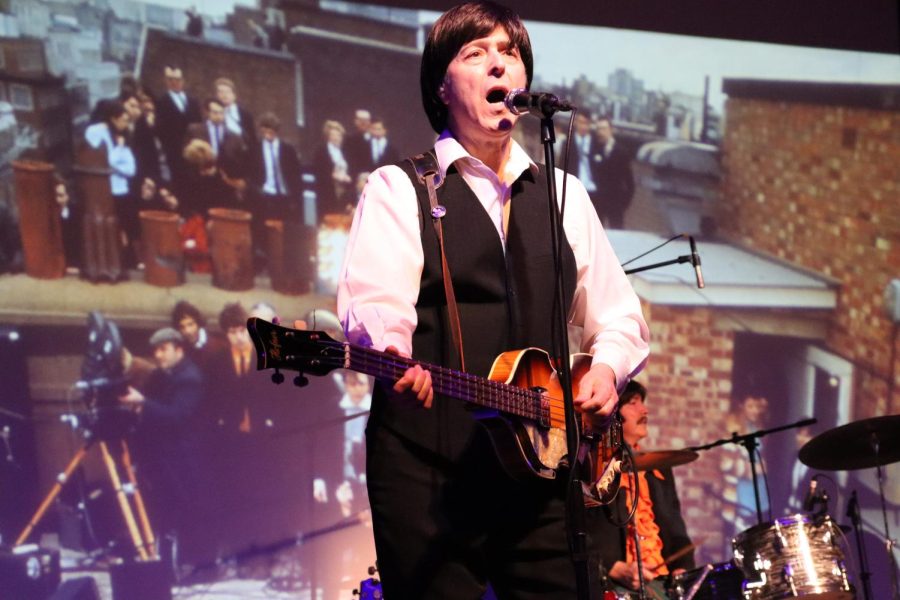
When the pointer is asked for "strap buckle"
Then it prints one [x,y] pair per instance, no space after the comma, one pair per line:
[426,164]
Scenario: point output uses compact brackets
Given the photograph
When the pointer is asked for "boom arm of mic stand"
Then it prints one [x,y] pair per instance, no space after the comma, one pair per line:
[739,439]
[675,261]
[749,441]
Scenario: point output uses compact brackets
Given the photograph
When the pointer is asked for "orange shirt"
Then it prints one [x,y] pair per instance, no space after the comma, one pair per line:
[645,522]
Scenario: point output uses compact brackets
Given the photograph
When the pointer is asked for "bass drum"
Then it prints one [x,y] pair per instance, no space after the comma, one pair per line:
[796,556]
[719,581]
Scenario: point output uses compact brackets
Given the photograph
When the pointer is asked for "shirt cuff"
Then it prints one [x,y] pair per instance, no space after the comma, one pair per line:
[614,361]
[399,341]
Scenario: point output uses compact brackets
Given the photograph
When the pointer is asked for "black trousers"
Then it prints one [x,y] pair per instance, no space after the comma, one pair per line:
[444,530]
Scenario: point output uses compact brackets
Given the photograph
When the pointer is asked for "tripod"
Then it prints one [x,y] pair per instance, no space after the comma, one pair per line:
[139,529]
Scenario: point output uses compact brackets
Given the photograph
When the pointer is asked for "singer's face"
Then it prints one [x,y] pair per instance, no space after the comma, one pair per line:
[634,420]
[476,83]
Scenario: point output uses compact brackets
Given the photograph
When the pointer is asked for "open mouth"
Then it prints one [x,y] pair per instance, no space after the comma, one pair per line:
[496,95]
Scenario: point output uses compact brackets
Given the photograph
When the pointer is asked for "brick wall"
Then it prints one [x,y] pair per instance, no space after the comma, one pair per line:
[819,186]
[265,80]
[689,382]
[341,76]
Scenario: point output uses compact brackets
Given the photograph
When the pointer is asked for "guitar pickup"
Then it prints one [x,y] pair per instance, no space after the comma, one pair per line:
[544,416]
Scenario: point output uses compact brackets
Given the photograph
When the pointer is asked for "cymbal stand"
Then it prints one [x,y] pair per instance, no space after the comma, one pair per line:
[888,541]
[864,574]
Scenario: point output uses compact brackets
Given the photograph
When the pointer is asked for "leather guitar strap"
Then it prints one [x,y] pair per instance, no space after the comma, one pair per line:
[429,175]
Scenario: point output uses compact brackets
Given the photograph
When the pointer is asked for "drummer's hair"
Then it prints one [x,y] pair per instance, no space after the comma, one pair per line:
[632,388]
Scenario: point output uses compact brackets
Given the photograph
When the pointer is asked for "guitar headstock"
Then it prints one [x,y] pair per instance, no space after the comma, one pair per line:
[277,347]
[369,589]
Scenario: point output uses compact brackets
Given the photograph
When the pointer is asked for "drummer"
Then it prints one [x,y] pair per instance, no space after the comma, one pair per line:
[659,523]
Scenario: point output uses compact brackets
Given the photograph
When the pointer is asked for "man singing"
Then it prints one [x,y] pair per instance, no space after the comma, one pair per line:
[447,518]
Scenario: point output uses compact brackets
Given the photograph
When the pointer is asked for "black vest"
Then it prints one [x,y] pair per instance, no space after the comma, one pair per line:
[505,300]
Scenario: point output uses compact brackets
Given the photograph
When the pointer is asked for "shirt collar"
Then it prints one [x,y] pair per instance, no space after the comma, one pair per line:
[448,150]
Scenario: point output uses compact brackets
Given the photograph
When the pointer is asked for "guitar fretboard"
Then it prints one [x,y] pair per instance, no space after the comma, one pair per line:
[526,403]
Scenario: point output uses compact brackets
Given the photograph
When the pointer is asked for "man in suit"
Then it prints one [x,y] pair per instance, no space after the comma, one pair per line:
[615,182]
[275,173]
[167,445]
[175,110]
[227,146]
[381,151]
[660,526]
[238,119]
[236,406]
[356,145]
[587,155]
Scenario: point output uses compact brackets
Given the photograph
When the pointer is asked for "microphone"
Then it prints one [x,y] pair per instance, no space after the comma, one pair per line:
[809,500]
[695,260]
[520,101]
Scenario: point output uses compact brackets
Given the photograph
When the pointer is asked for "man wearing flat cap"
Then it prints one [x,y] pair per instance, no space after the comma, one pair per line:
[166,444]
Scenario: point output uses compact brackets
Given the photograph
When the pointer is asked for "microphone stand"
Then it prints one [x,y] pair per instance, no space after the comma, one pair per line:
[749,441]
[575,511]
[853,513]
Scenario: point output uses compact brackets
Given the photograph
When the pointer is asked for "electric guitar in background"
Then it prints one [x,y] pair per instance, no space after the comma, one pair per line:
[520,402]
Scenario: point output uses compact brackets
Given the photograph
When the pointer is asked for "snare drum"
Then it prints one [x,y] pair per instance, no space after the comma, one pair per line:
[719,581]
[792,557]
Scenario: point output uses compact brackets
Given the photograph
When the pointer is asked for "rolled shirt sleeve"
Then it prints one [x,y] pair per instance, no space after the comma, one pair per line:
[379,282]
[605,305]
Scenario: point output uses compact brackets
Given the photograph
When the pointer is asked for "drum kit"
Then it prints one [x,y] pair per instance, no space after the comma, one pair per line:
[799,555]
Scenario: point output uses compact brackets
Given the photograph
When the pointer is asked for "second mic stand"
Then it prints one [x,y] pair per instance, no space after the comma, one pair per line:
[749,441]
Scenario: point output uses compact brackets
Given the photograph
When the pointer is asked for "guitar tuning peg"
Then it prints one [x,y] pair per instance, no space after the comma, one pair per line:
[372,570]
[277,377]
[276,320]
[301,380]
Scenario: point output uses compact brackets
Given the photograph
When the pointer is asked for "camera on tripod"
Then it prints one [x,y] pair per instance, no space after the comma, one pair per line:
[103,381]
[105,425]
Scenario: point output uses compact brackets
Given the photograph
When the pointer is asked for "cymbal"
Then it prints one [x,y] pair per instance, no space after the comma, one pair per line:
[852,446]
[662,459]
